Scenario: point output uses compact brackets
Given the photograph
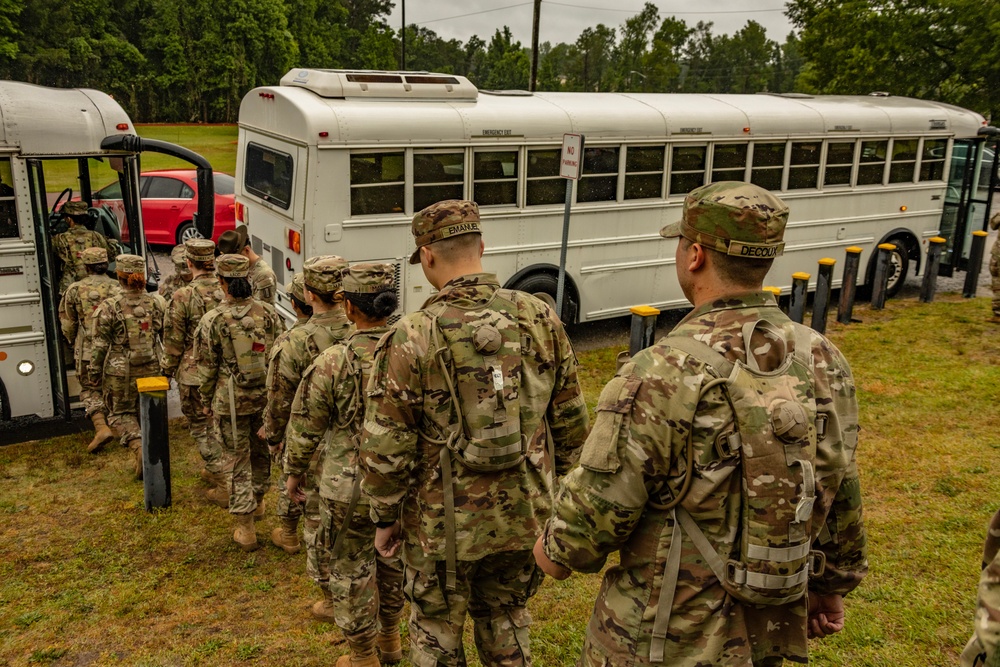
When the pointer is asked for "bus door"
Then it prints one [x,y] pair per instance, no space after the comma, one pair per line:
[968,200]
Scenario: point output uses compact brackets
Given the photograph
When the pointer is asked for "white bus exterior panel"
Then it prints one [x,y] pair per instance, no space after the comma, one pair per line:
[885,115]
[75,121]
[294,115]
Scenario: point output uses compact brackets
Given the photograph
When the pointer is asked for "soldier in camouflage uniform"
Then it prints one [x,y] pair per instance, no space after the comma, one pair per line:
[983,649]
[661,473]
[296,289]
[76,314]
[69,245]
[995,269]
[363,589]
[261,277]
[232,345]
[182,273]
[187,306]
[506,378]
[297,349]
[127,338]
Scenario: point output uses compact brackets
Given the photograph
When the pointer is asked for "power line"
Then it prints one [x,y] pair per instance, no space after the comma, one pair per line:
[461,16]
[665,12]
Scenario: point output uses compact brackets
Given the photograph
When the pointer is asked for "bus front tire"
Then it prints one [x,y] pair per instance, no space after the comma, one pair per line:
[545,286]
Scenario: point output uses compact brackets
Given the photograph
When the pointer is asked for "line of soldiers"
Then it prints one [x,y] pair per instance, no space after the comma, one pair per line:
[449,458]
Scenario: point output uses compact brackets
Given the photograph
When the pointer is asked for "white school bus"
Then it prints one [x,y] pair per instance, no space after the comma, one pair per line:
[60,133]
[337,162]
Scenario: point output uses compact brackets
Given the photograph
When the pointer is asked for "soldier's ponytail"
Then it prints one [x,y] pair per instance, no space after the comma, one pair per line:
[377,306]
[238,288]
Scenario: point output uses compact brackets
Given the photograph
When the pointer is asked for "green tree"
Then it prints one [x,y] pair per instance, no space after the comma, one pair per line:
[506,65]
[592,69]
[425,50]
[663,63]
[630,55]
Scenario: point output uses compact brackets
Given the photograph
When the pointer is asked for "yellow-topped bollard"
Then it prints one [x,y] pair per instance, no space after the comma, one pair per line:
[643,331]
[849,284]
[976,253]
[155,441]
[824,287]
[800,289]
[928,286]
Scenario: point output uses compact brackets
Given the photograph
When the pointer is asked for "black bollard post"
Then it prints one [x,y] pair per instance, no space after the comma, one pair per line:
[975,264]
[643,329]
[935,245]
[821,301]
[849,285]
[881,281]
[797,306]
[155,441]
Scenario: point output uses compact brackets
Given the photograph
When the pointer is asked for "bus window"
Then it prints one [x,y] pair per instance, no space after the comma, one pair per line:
[768,164]
[729,162]
[904,160]
[495,178]
[839,160]
[8,210]
[377,183]
[436,177]
[644,172]
[545,186]
[599,181]
[803,171]
[872,162]
[269,175]
[932,160]
[687,168]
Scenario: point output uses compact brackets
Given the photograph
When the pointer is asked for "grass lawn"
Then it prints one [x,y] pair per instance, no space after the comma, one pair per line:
[217,143]
[87,577]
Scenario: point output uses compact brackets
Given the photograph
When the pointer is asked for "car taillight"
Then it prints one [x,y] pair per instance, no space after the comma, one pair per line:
[241,212]
[294,241]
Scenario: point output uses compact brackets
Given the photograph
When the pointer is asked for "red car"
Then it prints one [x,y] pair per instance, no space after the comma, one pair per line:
[169,204]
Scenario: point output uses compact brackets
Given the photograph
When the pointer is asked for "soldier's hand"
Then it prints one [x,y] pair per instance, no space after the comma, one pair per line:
[388,540]
[206,411]
[549,566]
[292,487]
[262,434]
[275,449]
[826,615]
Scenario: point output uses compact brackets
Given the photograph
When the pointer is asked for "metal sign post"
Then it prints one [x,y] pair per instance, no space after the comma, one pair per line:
[570,167]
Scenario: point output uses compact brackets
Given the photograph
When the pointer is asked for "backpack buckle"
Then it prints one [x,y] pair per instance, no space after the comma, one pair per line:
[821,419]
[816,563]
[736,573]
[728,444]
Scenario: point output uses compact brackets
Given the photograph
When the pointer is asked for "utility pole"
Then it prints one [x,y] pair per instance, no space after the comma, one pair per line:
[402,37]
[534,46]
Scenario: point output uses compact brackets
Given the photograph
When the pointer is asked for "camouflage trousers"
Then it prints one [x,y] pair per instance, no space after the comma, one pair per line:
[202,429]
[995,280]
[90,391]
[594,656]
[367,589]
[493,590]
[247,463]
[121,398]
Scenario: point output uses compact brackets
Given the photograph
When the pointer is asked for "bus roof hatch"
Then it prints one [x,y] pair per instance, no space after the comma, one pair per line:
[338,83]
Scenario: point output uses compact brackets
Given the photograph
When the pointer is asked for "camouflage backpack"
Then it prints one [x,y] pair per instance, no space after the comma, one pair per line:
[91,296]
[479,355]
[137,315]
[206,295]
[777,430]
[250,333]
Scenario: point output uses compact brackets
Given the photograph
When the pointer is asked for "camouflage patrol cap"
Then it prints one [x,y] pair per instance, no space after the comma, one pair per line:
[451,217]
[233,241]
[370,278]
[130,264]
[735,218]
[296,287]
[324,274]
[232,266]
[199,250]
[75,208]
[94,256]
[177,257]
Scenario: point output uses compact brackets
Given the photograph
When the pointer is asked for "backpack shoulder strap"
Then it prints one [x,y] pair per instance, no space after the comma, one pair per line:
[702,352]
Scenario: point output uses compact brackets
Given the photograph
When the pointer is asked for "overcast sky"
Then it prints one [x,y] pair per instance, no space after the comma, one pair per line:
[564,20]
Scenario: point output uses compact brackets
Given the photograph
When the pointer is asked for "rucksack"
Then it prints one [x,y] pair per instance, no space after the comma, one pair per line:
[776,435]
[249,337]
[137,314]
[478,352]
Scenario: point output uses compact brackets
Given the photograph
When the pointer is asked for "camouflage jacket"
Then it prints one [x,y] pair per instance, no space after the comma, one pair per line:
[634,460]
[172,283]
[983,649]
[185,309]
[330,402]
[69,247]
[217,367]
[119,323]
[408,399]
[291,355]
[263,281]
[77,311]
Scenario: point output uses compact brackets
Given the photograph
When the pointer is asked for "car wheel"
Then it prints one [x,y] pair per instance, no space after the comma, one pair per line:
[545,286]
[899,264]
[186,231]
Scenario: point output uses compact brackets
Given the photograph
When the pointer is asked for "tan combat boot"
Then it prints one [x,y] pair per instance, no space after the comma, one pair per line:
[136,447]
[102,434]
[212,478]
[286,536]
[258,512]
[218,495]
[390,645]
[323,610]
[245,535]
[351,660]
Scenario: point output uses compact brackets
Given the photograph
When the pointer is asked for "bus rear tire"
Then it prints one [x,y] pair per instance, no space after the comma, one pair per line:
[545,286]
